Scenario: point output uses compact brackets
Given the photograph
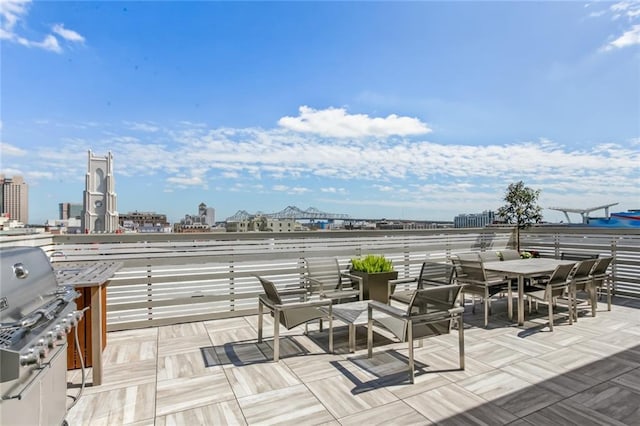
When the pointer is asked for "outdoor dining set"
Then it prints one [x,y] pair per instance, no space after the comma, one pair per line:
[432,303]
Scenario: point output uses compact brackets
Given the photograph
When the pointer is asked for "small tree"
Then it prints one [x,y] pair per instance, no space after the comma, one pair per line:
[522,207]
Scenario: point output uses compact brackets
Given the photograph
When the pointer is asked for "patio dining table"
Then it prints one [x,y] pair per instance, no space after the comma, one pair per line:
[525,268]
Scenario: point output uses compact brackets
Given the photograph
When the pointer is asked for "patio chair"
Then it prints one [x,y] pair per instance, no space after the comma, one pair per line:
[479,283]
[431,312]
[324,277]
[556,290]
[509,254]
[581,282]
[600,277]
[290,314]
[431,273]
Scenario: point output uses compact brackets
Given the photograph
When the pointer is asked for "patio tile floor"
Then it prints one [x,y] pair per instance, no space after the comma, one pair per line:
[215,373]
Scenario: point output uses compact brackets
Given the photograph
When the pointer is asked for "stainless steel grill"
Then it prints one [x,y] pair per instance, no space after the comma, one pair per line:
[35,317]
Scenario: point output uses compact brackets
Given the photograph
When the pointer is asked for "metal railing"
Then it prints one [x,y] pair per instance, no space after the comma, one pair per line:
[172,278]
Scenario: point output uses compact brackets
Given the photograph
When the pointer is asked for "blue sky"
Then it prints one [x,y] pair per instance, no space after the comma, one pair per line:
[418,110]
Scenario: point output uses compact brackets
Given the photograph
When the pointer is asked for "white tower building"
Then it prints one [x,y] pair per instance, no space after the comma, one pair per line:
[99,212]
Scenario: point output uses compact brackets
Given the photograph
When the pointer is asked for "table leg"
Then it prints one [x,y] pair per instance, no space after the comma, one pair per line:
[352,338]
[96,334]
[520,300]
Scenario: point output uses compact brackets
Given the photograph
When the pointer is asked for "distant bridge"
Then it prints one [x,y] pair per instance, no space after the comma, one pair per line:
[291,212]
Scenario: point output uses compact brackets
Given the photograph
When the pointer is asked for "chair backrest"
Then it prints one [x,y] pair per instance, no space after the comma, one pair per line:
[558,280]
[561,274]
[270,290]
[577,256]
[489,256]
[509,254]
[601,266]
[425,308]
[325,270]
[473,269]
[434,273]
[583,269]
[433,299]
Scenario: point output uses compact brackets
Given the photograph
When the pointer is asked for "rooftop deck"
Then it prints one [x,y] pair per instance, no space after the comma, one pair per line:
[214,372]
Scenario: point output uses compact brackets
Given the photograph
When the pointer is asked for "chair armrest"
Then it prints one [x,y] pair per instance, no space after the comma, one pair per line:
[403,280]
[456,311]
[308,304]
[292,291]
[317,283]
[358,279]
[387,309]
[352,277]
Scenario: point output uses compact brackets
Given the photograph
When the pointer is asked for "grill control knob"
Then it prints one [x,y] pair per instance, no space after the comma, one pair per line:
[65,325]
[29,358]
[71,319]
[58,332]
[41,348]
[51,338]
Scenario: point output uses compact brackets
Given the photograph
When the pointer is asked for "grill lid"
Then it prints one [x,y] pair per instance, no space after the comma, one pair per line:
[28,284]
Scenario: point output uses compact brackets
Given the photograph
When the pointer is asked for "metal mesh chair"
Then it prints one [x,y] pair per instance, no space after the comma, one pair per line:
[600,277]
[290,314]
[431,312]
[324,277]
[581,282]
[479,283]
[556,290]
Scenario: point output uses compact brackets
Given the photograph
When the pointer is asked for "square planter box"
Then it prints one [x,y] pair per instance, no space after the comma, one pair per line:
[376,285]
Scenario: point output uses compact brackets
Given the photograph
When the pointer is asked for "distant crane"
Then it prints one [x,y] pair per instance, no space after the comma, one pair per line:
[583,212]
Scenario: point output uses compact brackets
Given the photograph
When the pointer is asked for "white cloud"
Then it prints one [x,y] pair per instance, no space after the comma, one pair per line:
[14,11]
[67,34]
[10,150]
[142,127]
[629,38]
[11,12]
[49,43]
[186,181]
[336,122]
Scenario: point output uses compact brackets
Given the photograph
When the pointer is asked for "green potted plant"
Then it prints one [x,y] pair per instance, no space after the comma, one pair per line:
[375,271]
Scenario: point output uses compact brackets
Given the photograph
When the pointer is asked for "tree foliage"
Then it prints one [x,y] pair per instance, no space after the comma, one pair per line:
[522,207]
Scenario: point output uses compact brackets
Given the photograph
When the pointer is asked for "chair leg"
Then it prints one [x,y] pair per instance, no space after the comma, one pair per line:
[570,302]
[276,335]
[550,303]
[609,283]
[260,312]
[410,339]
[461,341]
[487,307]
[330,330]
[510,302]
[370,336]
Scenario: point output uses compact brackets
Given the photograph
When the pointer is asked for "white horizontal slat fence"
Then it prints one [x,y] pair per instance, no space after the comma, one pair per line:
[173,278]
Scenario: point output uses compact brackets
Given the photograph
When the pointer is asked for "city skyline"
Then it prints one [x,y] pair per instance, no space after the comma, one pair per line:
[421,110]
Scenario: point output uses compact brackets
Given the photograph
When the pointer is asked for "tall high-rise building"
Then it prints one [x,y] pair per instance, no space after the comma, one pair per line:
[14,199]
[70,211]
[99,211]
[474,220]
